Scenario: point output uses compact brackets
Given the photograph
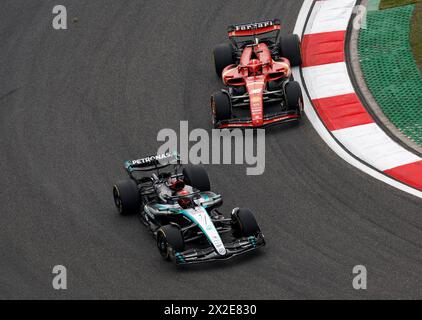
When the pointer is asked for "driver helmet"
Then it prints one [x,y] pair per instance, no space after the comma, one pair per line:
[177,184]
[184,202]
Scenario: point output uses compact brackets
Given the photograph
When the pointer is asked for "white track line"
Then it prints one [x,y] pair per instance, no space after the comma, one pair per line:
[324,133]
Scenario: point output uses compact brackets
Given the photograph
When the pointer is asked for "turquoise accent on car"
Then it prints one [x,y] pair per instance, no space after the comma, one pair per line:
[176,155]
[252,241]
[128,166]
[179,257]
[161,206]
[205,196]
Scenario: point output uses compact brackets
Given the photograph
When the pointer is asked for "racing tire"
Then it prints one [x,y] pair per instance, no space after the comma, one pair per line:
[289,47]
[294,97]
[126,197]
[223,56]
[197,177]
[221,107]
[244,223]
[169,237]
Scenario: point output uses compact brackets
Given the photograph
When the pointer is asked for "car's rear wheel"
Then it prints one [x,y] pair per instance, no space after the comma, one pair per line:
[221,107]
[244,223]
[197,177]
[294,98]
[223,56]
[169,237]
[126,197]
[289,47]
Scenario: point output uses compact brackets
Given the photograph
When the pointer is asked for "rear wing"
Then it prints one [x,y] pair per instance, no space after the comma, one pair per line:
[254,28]
[153,162]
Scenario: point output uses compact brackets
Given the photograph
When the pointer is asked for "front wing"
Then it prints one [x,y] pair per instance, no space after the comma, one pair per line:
[267,121]
[233,249]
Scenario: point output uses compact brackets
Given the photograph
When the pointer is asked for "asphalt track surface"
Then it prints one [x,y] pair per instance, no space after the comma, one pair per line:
[74,104]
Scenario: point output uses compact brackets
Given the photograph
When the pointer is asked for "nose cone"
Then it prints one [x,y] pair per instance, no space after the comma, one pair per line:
[257,122]
[255,90]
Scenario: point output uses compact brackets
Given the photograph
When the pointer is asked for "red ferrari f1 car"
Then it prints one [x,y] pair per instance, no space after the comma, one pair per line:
[256,68]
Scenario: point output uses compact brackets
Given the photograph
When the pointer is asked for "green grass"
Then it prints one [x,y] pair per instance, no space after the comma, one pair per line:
[395,3]
[416,31]
[416,34]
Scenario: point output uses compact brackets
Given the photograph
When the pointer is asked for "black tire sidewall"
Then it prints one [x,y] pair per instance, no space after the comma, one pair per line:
[197,177]
[162,240]
[221,106]
[244,223]
[294,97]
[172,236]
[128,195]
[289,46]
[223,56]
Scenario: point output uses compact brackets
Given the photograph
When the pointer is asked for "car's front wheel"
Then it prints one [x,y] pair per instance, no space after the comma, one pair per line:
[221,106]
[294,97]
[169,237]
[244,223]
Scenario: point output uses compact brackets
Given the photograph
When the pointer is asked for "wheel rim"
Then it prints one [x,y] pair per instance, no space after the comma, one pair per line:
[237,226]
[117,199]
[300,105]
[162,246]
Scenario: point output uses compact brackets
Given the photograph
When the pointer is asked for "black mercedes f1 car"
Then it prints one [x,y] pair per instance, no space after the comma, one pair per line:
[175,203]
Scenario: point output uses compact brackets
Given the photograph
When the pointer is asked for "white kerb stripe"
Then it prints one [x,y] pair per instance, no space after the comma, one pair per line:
[312,17]
[372,145]
[327,80]
[330,15]
[322,130]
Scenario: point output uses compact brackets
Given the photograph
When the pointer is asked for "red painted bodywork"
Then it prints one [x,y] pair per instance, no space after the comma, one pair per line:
[265,122]
[252,32]
[255,70]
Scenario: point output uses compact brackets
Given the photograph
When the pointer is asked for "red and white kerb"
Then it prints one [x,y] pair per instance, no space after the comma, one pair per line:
[335,100]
